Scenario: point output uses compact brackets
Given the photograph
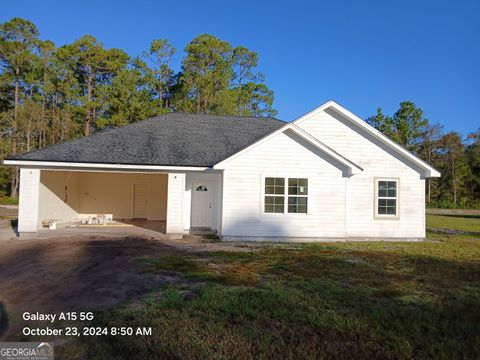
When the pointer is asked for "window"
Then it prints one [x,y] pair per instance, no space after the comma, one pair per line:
[278,200]
[299,189]
[201,188]
[387,198]
[274,195]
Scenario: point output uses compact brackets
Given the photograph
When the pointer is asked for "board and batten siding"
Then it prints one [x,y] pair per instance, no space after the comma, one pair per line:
[284,155]
[377,161]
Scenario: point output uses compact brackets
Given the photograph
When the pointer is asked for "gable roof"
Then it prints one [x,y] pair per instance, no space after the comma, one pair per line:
[350,165]
[193,141]
[173,139]
[429,170]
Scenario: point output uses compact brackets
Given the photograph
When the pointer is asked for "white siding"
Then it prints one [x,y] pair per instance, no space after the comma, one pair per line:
[284,155]
[377,161]
[175,203]
[29,200]
[339,206]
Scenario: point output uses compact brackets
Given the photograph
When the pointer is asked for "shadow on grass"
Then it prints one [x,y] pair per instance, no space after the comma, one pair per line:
[312,303]
[3,319]
[75,275]
[327,301]
[466,216]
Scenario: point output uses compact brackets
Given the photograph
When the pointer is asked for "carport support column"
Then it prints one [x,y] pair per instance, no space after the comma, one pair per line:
[176,192]
[28,200]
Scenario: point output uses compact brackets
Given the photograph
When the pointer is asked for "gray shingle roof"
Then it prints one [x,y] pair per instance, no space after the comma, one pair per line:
[173,139]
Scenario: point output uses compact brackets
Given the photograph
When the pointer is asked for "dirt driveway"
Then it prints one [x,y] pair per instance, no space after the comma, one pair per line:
[82,273]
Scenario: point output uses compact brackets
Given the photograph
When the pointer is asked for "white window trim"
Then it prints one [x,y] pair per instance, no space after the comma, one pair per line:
[285,195]
[378,216]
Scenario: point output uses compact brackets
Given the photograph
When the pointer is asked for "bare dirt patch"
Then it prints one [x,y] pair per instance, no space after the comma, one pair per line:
[83,273]
[8,211]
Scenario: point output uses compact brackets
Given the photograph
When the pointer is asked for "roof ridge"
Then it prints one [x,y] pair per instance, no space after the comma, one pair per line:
[220,115]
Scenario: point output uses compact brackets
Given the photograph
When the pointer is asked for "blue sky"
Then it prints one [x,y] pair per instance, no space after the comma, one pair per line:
[363,54]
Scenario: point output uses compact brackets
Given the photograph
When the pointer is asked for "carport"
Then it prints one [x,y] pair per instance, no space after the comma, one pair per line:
[151,197]
[72,196]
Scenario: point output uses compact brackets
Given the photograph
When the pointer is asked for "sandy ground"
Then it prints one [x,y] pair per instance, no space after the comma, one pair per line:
[7,214]
[84,269]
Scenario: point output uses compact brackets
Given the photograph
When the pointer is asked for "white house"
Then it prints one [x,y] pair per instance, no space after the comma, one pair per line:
[326,175]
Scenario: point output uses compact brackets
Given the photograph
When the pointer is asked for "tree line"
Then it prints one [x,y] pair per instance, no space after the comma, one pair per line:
[457,158]
[50,94]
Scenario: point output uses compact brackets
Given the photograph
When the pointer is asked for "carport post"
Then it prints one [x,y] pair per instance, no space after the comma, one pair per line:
[28,200]
[176,191]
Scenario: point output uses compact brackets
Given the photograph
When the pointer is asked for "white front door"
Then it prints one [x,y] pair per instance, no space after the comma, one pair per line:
[140,201]
[202,204]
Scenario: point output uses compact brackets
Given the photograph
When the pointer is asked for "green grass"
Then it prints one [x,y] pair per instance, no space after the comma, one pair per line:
[367,300]
[8,200]
[455,222]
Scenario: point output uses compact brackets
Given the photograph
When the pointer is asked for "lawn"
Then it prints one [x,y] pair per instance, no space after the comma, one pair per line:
[469,223]
[374,300]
